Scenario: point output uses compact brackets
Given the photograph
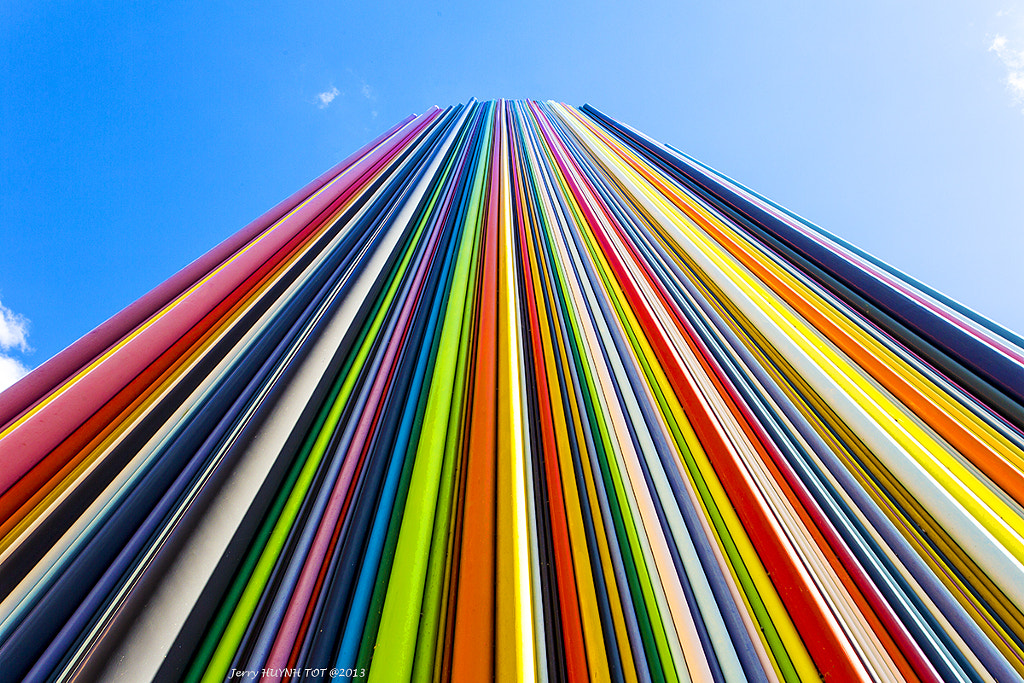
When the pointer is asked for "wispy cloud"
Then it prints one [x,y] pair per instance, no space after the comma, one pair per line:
[13,330]
[13,337]
[1013,60]
[11,370]
[327,96]
[367,91]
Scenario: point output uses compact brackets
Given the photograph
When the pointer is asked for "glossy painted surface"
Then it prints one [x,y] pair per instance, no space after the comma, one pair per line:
[516,392]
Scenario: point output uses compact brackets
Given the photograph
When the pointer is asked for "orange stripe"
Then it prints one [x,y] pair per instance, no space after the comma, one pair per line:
[1009,478]
[473,656]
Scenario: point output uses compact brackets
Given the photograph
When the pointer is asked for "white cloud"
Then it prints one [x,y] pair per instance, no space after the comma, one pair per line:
[367,91]
[10,371]
[1013,60]
[13,330]
[327,96]
[13,336]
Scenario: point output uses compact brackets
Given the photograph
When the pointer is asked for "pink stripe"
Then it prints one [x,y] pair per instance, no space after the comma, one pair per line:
[302,594]
[29,443]
[34,386]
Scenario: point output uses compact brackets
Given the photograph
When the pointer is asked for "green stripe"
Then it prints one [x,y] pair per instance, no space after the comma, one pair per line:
[396,640]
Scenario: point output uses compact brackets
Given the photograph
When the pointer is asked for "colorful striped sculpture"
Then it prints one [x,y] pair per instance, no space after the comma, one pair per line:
[513,393]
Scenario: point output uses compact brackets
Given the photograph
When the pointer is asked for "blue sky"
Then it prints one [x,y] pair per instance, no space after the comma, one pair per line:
[133,139]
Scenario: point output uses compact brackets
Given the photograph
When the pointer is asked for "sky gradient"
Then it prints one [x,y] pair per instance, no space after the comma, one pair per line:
[134,139]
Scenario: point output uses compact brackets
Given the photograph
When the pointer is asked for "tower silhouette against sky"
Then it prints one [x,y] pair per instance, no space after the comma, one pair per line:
[517,392]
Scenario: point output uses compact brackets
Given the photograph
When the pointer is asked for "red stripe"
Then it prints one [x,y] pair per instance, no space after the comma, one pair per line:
[26,446]
[40,382]
[823,642]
